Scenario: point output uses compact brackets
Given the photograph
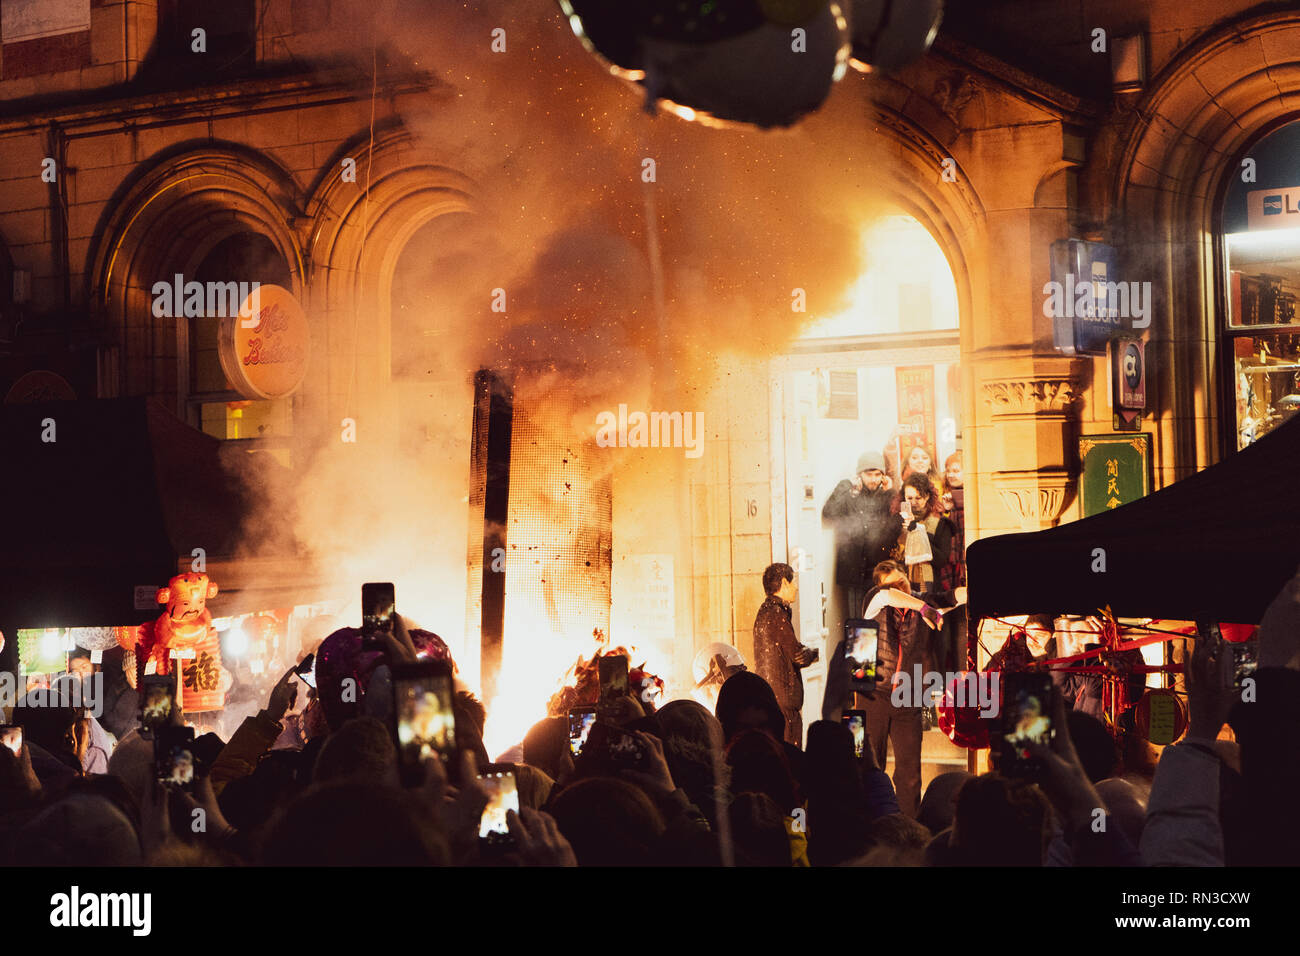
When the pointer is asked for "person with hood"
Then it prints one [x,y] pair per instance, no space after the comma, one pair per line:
[778,655]
[746,702]
[858,511]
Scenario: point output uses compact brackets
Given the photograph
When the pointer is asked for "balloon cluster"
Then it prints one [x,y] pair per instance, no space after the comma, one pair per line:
[760,62]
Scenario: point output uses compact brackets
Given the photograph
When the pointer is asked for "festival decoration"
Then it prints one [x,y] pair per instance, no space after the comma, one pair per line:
[1160,716]
[759,62]
[42,650]
[93,638]
[184,631]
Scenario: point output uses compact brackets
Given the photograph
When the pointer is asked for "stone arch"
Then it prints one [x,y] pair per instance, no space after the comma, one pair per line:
[954,215]
[1199,116]
[164,221]
[355,240]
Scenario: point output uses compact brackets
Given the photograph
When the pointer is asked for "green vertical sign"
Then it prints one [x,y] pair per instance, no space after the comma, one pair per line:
[1116,470]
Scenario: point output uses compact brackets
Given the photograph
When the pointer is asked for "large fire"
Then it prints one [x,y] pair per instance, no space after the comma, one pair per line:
[538,679]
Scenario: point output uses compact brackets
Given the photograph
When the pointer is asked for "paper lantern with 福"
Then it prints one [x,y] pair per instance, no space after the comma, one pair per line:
[204,681]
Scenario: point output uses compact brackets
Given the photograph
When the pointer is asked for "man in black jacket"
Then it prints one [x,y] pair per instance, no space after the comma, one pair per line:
[865,531]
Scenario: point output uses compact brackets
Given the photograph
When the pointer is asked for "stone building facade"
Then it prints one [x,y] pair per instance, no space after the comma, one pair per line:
[1007,136]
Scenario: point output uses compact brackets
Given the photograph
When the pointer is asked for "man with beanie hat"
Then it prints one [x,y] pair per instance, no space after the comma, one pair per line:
[865,531]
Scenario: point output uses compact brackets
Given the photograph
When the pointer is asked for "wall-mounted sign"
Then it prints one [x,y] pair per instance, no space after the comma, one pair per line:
[1128,377]
[646,583]
[1082,300]
[1116,470]
[1273,208]
[264,349]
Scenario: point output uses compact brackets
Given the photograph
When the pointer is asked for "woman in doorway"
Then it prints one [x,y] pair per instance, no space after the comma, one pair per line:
[921,509]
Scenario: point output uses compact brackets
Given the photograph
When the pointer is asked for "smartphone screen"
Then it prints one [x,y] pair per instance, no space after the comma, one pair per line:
[860,647]
[1245,658]
[377,605]
[856,721]
[174,756]
[11,736]
[157,701]
[306,671]
[1026,718]
[499,782]
[613,677]
[424,723]
[580,723]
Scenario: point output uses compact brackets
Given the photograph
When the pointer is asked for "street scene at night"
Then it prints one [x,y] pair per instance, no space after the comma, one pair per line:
[650,434]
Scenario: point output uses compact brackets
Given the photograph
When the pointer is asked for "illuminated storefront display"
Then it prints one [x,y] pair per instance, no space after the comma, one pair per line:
[1262,256]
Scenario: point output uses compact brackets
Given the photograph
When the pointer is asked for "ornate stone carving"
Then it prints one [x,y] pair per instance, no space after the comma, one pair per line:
[1035,498]
[952,93]
[1036,395]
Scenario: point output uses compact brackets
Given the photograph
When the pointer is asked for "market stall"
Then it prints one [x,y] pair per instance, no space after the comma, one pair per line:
[107,502]
[1215,546]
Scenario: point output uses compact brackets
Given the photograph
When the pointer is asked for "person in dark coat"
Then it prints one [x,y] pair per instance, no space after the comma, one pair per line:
[778,655]
[746,702]
[858,511]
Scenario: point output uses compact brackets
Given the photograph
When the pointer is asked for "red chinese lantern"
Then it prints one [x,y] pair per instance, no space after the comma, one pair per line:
[203,680]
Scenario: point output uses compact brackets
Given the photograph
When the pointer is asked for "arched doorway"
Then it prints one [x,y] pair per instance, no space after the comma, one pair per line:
[881,377]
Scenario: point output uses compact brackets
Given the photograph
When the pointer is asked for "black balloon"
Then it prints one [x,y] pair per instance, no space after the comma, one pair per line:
[889,34]
[759,62]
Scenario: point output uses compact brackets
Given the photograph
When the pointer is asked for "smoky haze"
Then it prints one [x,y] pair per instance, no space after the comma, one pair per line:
[557,148]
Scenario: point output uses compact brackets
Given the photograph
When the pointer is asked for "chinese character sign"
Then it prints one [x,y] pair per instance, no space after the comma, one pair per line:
[203,680]
[1116,470]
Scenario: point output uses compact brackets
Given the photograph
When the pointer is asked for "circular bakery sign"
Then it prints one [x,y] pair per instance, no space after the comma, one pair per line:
[264,349]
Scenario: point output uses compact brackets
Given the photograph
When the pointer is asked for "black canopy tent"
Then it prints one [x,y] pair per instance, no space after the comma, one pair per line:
[119,500]
[1217,546]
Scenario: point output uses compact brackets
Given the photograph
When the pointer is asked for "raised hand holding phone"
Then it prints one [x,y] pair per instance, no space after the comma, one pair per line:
[283,695]
[539,839]
[1062,776]
[654,774]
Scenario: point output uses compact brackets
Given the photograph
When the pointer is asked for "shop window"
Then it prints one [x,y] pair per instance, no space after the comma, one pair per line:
[213,404]
[1261,248]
